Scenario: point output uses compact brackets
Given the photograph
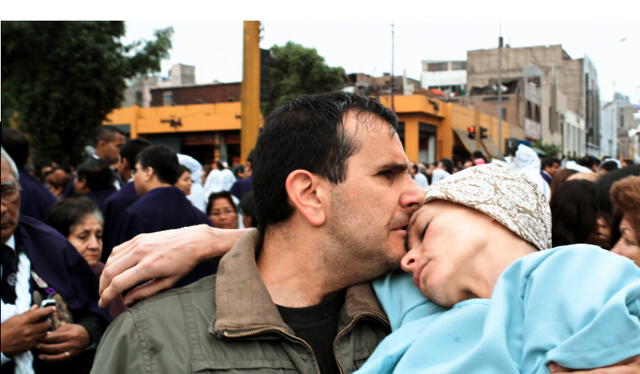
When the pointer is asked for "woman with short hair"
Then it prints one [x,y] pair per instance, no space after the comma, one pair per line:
[80,221]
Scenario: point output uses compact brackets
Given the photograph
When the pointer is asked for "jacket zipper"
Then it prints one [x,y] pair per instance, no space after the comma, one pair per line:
[263,330]
[348,327]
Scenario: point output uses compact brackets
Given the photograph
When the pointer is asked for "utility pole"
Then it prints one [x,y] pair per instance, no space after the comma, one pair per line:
[393,107]
[250,88]
[500,96]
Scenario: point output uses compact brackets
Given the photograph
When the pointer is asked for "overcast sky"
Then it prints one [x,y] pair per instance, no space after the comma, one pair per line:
[356,34]
[215,47]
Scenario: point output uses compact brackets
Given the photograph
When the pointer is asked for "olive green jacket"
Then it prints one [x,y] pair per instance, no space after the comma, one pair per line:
[228,324]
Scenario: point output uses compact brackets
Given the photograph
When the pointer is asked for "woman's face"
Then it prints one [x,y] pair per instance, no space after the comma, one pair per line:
[86,237]
[628,245]
[446,242]
[184,182]
[223,215]
[603,232]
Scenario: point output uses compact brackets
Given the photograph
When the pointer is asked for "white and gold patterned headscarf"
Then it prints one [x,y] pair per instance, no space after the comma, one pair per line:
[504,195]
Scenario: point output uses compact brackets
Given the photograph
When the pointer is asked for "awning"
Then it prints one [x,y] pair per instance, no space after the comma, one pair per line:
[469,144]
[490,148]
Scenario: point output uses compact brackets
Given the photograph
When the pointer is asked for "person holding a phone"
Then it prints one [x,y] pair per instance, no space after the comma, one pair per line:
[49,293]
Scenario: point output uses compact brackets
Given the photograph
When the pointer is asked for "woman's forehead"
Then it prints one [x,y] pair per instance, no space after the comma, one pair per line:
[440,207]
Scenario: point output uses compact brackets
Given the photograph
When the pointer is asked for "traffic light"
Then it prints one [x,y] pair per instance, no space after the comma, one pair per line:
[471,132]
[483,132]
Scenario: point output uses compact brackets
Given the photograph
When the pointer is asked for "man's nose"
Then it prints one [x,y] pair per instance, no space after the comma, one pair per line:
[413,196]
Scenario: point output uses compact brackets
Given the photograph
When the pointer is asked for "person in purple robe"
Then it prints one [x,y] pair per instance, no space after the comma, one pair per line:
[35,199]
[94,181]
[115,205]
[81,222]
[40,265]
[161,206]
[107,142]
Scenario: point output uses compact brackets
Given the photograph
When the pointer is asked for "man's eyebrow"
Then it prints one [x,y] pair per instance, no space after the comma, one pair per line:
[395,167]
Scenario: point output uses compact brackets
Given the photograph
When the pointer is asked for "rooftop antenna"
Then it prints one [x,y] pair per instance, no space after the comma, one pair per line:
[393,107]
[500,90]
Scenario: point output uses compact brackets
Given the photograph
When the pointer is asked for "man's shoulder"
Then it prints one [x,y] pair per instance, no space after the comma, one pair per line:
[33,227]
[170,303]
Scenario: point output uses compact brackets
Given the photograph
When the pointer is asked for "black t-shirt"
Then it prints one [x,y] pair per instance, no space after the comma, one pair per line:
[318,326]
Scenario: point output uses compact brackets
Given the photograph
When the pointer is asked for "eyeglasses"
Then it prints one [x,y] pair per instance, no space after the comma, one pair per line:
[9,192]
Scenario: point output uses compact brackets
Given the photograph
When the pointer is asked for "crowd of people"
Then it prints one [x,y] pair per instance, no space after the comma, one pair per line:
[327,252]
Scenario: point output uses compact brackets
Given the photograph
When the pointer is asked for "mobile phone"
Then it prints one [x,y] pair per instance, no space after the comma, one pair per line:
[48,302]
[53,317]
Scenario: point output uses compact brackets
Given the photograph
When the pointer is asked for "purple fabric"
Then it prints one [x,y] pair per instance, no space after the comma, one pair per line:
[241,187]
[113,209]
[546,177]
[55,260]
[160,209]
[35,199]
[100,196]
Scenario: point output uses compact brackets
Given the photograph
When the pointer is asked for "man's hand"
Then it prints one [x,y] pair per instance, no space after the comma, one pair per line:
[160,259]
[628,366]
[64,343]
[22,332]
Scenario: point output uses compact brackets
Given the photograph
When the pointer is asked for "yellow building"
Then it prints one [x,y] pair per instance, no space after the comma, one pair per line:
[430,129]
[207,132]
[433,129]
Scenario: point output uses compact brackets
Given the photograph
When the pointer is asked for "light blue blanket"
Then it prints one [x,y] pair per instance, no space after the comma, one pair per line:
[575,305]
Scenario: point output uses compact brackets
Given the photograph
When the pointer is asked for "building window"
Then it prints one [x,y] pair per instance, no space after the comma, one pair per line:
[138,98]
[167,98]
[621,119]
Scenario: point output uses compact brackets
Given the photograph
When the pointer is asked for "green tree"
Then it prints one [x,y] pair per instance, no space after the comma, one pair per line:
[295,70]
[550,149]
[61,79]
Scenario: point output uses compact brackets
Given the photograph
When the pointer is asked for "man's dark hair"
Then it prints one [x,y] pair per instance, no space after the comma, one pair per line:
[237,170]
[588,161]
[573,213]
[106,134]
[447,164]
[609,165]
[219,165]
[16,145]
[306,133]
[131,148]
[478,154]
[68,212]
[548,162]
[96,173]
[248,207]
[164,162]
[628,161]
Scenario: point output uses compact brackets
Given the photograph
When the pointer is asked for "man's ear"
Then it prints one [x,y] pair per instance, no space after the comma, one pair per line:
[148,173]
[306,194]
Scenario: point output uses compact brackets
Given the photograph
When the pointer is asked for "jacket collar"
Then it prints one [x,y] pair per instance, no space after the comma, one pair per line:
[243,302]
